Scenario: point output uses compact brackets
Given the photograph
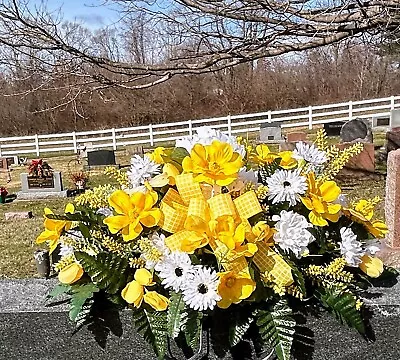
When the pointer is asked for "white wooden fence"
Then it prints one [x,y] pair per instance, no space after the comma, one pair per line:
[232,124]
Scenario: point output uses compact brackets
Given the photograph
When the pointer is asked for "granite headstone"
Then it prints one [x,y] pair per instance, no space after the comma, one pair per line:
[41,188]
[333,128]
[395,118]
[355,130]
[270,132]
[101,158]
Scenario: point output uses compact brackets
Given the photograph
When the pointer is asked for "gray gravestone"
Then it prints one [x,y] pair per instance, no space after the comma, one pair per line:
[101,158]
[395,118]
[270,132]
[333,128]
[39,188]
[355,130]
[380,121]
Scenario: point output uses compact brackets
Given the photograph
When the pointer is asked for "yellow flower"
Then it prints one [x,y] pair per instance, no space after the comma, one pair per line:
[54,228]
[70,273]
[213,164]
[371,265]
[156,301]
[157,155]
[287,161]
[263,155]
[172,172]
[133,212]
[319,200]
[134,291]
[234,287]
[260,232]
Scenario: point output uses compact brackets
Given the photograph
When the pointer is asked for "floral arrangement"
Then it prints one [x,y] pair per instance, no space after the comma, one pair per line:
[80,179]
[217,228]
[3,191]
[40,168]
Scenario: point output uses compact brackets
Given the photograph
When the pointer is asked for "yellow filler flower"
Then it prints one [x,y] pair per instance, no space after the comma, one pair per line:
[133,211]
[319,200]
[54,228]
[213,164]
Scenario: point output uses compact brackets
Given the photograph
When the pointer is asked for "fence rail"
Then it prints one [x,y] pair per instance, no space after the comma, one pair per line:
[155,134]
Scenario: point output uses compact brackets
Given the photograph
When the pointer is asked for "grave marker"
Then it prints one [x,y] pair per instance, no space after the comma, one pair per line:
[41,187]
[333,128]
[101,158]
[354,131]
[270,132]
[395,118]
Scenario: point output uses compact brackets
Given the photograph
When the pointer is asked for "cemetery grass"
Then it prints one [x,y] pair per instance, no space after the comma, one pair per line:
[17,237]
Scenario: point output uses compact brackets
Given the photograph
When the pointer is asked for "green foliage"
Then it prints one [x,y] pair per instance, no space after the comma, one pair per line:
[343,306]
[240,322]
[58,290]
[192,327]
[277,327]
[80,295]
[152,325]
[175,315]
[107,270]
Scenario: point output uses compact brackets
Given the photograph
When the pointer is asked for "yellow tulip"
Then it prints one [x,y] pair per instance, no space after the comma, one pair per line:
[133,211]
[144,277]
[287,161]
[70,274]
[172,172]
[319,200]
[156,301]
[213,164]
[372,266]
[234,287]
[157,155]
[54,228]
[133,293]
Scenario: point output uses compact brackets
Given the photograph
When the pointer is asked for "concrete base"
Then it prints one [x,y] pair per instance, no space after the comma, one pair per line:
[34,195]
[30,330]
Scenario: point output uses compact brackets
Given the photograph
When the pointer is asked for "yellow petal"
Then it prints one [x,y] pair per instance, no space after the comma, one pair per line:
[116,223]
[70,273]
[334,208]
[151,218]
[156,301]
[70,208]
[330,191]
[317,219]
[144,277]
[120,201]
[133,293]
[372,266]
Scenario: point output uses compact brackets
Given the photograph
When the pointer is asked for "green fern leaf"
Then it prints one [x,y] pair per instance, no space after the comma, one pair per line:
[192,327]
[108,271]
[277,327]
[343,306]
[80,295]
[240,323]
[175,315]
[152,325]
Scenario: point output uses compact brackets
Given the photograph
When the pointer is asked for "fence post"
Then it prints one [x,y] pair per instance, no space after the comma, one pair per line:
[114,139]
[269,116]
[350,110]
[229,125]
[151,135]
[392,102]
[190,128]
[0,150]
[37,145]
[310,117]
[74,141]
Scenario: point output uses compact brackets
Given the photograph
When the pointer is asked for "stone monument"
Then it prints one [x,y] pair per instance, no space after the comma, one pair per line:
[333,128]
[101,158]
[356,130]
[394,118]
[270,132]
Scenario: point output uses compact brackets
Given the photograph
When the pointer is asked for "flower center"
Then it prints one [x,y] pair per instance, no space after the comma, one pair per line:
[202,288]
[214,166]
[230,282]
[286,183]
[133,214]
[178,272]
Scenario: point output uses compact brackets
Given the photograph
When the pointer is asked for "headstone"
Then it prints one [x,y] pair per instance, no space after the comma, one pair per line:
[41,187]
[3,164]
[380,121]
[394,118]
[355,130]
[270,132]
[18,215]
[392,140]
[361,164]
[333,128]
[101,158]
[392,199]
[137,150]
[296,137]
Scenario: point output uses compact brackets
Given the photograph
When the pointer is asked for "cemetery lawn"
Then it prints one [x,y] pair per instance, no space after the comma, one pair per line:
[17,237]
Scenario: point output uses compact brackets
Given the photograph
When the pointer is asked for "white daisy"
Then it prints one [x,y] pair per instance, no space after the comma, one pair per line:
[309,153]
[293,232]
[350,247]
[200,289]
[104,211]
[205,136]
[174,270]
[142,169]
[286,185]
[66,250]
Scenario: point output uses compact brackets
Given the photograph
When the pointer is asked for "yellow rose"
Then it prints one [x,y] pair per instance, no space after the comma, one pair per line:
[133,293]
